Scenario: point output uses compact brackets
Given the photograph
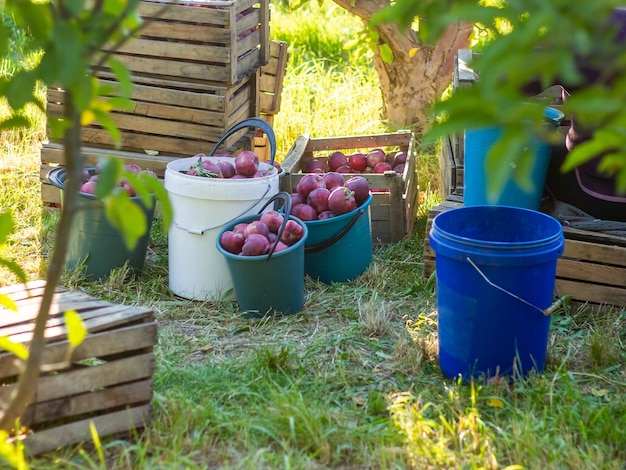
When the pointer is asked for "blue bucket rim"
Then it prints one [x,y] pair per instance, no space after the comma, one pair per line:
[521,246]
[57,176]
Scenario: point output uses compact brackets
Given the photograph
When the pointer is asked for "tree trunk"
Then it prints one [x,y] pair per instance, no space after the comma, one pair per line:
[418,74]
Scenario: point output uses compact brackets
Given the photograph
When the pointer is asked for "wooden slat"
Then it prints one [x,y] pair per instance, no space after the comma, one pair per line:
[79,431]
[121,340]
[99,400]
[222,43]
[50,387]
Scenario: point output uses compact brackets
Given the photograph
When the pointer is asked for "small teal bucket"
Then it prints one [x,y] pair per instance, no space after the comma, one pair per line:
[477,144]
[268,284]
[496,269]
[94,242]
[339,249]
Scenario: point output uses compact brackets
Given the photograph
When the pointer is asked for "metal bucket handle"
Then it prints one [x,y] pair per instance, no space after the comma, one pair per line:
[251,122]
[547,312]
[334,239]
[286,198]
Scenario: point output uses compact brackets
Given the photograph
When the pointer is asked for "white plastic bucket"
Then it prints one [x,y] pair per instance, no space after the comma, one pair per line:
[202,207]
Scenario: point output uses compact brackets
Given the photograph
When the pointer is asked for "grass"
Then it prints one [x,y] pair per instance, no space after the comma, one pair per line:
[353,381]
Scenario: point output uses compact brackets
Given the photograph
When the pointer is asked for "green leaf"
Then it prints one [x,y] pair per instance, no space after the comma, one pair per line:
[37,17]
[76,330]
[122,75]
[14,268]
[17,349]
[126,216]
[7,302]
[386,54]
[110,170]
[21,89]
[16,121]
[6,226]
[105,120]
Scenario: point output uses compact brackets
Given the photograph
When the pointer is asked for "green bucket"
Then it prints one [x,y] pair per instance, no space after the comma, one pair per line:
[94,242]
[339,249]
[268,284]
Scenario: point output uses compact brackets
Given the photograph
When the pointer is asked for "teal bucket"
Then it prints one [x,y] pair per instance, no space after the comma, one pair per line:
[95,243]
[477,144]
[495,268]
[339,249]
[267,284]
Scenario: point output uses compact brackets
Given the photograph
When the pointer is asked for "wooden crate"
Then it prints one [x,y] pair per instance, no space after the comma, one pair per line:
[108,381]
[451,157]
[395,196]
[171,117]
[218,41]
[271,78]
[592,268]
[53,155]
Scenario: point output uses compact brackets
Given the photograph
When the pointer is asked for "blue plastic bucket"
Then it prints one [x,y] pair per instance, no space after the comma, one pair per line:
[477,144]
[267,285]
[496,269]
[339,249]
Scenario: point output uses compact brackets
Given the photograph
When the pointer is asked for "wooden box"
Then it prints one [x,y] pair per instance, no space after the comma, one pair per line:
[53,155]
[271,78]
[592,268]
[451,157]
[218,41]
[107,382]
[395,196]
[171,117]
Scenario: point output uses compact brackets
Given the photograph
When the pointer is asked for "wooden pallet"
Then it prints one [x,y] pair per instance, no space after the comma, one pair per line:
[592,268]
[108,381]
[220,42]
[395,196]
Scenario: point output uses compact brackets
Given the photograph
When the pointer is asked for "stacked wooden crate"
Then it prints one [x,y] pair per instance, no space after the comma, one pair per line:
[271,78]
[107,381]
[195,70]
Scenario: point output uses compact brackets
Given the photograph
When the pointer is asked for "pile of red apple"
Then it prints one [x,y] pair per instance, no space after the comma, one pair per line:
[242,166]
[320,197]
[375,161]
[89,180]
[256,238]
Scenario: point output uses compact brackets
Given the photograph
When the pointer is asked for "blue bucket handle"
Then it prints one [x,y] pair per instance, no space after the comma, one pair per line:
[251,122]
[286,198]
[547,312]
[338,236]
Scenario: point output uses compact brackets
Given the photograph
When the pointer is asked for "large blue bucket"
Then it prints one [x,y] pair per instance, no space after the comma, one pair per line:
[339,249]
[496,269]
[478,143]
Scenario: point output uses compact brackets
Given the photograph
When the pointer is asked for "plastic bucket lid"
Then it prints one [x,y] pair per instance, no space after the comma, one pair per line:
[339,249]
[496,269]
[94,242]
[265,285]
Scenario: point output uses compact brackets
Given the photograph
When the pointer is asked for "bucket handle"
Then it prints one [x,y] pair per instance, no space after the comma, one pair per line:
[244,212]
[332,240]
[547,312]
[251,122]
[286,198]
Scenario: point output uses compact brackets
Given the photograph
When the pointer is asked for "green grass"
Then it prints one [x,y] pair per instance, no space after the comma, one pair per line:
[352,382]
